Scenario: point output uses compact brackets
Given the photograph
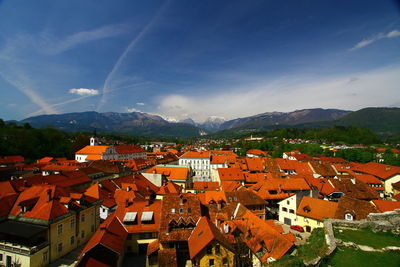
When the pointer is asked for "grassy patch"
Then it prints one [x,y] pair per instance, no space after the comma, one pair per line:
[345,256]
[315,246]
[368,238]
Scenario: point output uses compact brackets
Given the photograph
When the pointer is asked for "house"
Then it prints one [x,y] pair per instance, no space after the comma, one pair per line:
[45,223]
[312,212]
[179,217]
[106,195]
[141,218]
[107,245]
[199,162]
[386,173]
[209,247]
[256,153]
[354,209]
[180,175]
[117,152]
[230,174]
[266,241]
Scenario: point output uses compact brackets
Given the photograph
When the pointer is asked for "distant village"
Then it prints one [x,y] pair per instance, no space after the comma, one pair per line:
[117,204]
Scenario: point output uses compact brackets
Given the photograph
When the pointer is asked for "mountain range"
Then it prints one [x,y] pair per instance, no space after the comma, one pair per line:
[383,121]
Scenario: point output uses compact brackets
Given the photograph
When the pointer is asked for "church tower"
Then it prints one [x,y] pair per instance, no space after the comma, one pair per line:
[94,141]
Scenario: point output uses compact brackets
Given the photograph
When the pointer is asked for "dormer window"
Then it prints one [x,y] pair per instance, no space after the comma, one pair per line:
[307,209]
[349,217]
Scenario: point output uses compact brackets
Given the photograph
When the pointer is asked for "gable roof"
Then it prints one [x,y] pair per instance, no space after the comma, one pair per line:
[203,234]
[386,205]
[317,209]
[92,150]
[196,155]
[359,209]
[382,171]
[110,234]
[230,174]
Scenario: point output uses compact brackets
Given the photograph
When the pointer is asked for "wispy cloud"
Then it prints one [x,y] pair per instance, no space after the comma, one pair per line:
[84,91]
[140,104]
[374,88]
[132,44]
[53,45]
[380,36]
[24,84]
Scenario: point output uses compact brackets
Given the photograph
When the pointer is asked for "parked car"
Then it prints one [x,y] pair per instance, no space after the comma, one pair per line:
[297,228]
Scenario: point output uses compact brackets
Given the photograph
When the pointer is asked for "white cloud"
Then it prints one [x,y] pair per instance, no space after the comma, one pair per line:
[132,110]
[84,91]
[377,37]
[140,104]
[374,88]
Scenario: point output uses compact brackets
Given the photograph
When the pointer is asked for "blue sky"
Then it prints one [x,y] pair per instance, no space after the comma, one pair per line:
[197,59]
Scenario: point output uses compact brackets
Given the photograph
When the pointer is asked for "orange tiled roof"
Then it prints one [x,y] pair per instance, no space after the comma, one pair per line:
[196,155]
[129,149]
[294,165]
[206,185]
[171,173]
[141,206]
[386,205]
[91,150]
[317,209]
[203,234]
[230,174]
[257,233]
[382,171]
[110,234]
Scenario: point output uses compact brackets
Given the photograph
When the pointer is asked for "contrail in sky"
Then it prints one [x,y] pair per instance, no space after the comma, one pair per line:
[132,44]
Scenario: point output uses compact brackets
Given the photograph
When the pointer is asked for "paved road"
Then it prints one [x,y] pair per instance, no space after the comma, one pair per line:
[301,237]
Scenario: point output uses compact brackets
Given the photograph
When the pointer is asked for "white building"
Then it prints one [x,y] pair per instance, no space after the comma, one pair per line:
[199,162]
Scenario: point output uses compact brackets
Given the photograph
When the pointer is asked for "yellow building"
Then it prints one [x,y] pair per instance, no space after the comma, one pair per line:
[312,212]
[208,246]
[42,227]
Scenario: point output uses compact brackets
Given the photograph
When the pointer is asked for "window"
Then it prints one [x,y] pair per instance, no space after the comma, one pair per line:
[83,234]
[180,210]
[72,223]
[59,229]
[59,247]
[1,257]
[173,211]
[348,217]
[209,249]
[217,249]
[288,202]
[284,209]
[103,209]
[82,217]
[45,256]
[72,240]
[225,261]
[318,223]
[291,211]
[189,210]
[211,262]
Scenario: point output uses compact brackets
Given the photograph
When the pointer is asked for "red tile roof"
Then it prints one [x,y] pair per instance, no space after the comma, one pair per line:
[230,174]
[317,209]
[141,206]
[206,186]
[203,234]
[129,149]
[382,171]
[386,205]
[111,234]
[196,155]
[257,233]
[171,173]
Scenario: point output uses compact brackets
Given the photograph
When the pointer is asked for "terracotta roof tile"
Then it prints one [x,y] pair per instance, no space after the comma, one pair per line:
[317,209]
[203,234]
[386,205]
